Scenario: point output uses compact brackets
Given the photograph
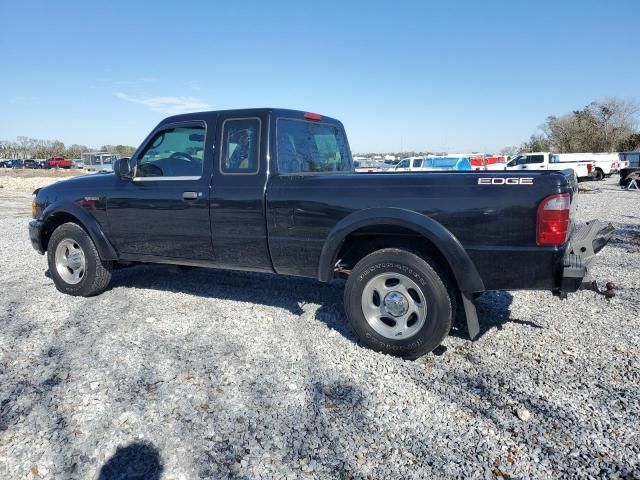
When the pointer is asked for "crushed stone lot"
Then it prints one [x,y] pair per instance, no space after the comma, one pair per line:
[212,374]
[27,180]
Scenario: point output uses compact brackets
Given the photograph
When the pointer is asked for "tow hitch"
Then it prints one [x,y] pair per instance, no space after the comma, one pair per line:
[593,285]
[585,242]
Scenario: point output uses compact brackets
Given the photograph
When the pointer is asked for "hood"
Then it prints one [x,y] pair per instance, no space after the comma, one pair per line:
[85,183]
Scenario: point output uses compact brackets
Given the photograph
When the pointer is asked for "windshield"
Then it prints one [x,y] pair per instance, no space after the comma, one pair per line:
[519,160]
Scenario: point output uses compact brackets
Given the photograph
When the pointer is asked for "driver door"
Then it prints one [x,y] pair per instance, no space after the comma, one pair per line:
[163,211]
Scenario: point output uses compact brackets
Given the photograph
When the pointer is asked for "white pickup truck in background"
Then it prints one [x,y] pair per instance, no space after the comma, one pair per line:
[604,164]
[410,164]
[537,161]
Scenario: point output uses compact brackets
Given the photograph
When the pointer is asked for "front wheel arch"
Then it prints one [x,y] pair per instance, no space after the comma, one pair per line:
[79,271]
[56,215]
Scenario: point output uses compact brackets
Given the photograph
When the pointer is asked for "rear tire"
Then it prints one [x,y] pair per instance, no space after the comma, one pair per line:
[398,303]
[599,175]
[74,262]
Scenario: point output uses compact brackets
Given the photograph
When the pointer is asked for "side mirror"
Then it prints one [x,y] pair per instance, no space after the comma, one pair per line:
[122,167]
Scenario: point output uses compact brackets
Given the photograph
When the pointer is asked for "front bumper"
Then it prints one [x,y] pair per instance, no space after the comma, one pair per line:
[36,228]
[585,242]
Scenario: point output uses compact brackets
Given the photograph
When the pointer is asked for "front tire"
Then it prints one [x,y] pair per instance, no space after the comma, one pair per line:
[398,303]
[74,262]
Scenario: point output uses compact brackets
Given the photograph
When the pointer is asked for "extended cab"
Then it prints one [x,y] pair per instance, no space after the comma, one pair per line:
[274,190]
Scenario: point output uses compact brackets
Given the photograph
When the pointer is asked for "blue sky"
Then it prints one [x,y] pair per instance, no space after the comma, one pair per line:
[420,75]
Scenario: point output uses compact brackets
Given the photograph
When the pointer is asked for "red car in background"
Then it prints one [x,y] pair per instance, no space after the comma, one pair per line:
[59,162]
[495,162]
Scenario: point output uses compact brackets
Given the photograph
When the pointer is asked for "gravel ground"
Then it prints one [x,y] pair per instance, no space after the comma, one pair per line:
[209,374]
[27,180]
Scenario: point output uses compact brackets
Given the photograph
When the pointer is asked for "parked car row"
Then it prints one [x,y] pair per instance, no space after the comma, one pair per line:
[586,166]
[20,163]
[53,162]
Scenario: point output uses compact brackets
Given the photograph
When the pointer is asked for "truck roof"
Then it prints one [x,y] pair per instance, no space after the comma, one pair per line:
[248,112]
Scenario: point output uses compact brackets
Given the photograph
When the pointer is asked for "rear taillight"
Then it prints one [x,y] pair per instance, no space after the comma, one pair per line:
[589,167]
[552,224]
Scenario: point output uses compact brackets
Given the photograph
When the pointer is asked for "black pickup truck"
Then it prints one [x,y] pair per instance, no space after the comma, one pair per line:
[274,190]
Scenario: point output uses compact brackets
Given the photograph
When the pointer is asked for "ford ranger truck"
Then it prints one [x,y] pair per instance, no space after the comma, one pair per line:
[273,190]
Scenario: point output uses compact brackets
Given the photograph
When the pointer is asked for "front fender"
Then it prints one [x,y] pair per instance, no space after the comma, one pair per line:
[463,268]
[89,223]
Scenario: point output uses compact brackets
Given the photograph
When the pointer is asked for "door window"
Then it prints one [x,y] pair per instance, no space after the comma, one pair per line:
[417,163]
[535,158]
[519,160]
[240,146]
[174,153]
[311,147]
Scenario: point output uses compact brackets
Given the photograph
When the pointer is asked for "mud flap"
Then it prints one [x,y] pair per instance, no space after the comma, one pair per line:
[473,326]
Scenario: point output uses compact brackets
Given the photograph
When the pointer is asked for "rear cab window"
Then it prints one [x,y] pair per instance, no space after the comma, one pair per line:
[311,147]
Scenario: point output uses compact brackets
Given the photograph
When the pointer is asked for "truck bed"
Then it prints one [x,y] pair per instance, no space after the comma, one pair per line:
[494,222]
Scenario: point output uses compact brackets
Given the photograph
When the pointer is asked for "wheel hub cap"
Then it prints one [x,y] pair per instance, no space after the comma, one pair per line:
[396,304]
[70,261]
[74,260]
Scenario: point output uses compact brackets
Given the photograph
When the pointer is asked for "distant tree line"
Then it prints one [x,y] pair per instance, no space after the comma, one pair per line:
[609,125]
[27,147]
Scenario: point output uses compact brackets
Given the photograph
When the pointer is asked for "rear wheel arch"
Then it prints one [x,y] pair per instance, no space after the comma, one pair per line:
[399,228]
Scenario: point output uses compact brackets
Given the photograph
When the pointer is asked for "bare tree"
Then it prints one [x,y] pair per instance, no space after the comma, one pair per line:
[509,151]
[27,147]
[598,127]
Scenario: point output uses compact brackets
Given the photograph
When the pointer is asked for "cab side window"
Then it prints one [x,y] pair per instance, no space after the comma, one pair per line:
[240,146]
[175,152]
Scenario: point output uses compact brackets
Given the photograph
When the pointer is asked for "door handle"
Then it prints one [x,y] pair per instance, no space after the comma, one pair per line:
[524,167]
[189,195]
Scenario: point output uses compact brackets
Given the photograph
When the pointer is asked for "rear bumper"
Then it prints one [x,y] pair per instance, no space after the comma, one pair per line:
[586,241]
[35,234]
